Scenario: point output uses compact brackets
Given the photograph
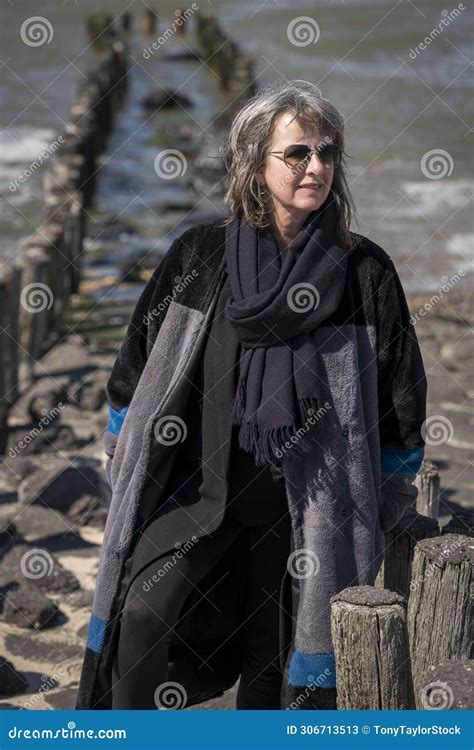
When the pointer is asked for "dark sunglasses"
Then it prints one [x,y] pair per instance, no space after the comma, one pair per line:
[298,154]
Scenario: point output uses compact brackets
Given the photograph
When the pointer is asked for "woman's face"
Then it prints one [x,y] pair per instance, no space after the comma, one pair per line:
[285,185]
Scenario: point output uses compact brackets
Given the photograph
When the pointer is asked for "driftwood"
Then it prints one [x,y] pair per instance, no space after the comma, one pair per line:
[400,541]
[449,686]
[439,605]
[369,633]
[427,482]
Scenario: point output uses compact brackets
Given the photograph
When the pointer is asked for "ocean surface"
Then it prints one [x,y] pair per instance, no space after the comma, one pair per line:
[408,114]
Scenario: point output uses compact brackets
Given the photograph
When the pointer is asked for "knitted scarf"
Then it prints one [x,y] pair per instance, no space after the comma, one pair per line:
[278,299]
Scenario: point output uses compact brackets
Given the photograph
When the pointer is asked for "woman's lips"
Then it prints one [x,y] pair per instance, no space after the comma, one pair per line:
[313,189]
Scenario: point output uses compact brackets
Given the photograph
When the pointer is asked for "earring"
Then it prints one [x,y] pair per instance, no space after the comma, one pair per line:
[261,193]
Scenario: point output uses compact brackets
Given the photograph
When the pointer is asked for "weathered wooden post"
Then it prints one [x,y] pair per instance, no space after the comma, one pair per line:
[180,20]
[36,305]
[149,21]
[370,638]
[427,482]
[395,570]
[234,69]
[9,309]
[449,686]
[126,21]
[439,605]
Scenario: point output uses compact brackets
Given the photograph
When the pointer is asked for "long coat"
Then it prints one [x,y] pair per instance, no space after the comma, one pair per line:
[370,448]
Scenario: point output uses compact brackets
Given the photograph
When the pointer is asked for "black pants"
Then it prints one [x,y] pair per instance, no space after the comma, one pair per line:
[148,617]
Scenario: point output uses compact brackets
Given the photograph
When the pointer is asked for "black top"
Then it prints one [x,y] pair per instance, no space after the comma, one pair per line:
[255,494]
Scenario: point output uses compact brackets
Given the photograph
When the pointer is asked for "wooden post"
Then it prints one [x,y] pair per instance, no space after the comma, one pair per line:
[369,634]
[9,304]
[439,605]
[180,20]
[149,21]
[126,21]
[234,69]
[449,686]
[36,305]
[395,571]
[427,481]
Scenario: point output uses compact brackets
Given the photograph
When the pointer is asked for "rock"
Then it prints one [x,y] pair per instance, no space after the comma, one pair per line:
[40,523]
[43,401]
[26,606]
[165,99]
[38,649]
[88,510]
[62,485]
[8,531]
[38,567]
[17,467]
[11,681]
[91,393]
[42,439]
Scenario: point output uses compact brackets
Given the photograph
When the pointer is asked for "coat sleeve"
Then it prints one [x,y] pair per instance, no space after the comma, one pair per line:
[401,398]
[137,343]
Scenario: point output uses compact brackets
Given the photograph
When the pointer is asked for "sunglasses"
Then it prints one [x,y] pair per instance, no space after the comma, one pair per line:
[298,154]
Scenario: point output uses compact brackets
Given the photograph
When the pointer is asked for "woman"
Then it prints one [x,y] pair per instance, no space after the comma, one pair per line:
[266,411]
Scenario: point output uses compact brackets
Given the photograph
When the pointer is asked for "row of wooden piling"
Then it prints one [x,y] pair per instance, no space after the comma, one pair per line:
[234,68]
[406,643]
[36,288]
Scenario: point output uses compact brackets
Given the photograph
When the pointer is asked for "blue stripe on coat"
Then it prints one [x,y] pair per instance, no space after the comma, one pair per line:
[114,425]
[401,461]
[96,634]
[308,669]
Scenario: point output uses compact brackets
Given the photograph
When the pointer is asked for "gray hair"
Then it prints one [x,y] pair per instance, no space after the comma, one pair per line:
[244,150]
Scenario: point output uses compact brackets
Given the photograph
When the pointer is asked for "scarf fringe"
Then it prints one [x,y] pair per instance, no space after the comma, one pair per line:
[273,445]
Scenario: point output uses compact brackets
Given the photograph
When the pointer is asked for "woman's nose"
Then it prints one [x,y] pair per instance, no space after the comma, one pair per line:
[315,165]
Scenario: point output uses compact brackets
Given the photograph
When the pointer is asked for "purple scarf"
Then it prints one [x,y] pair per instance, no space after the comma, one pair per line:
[278,299]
